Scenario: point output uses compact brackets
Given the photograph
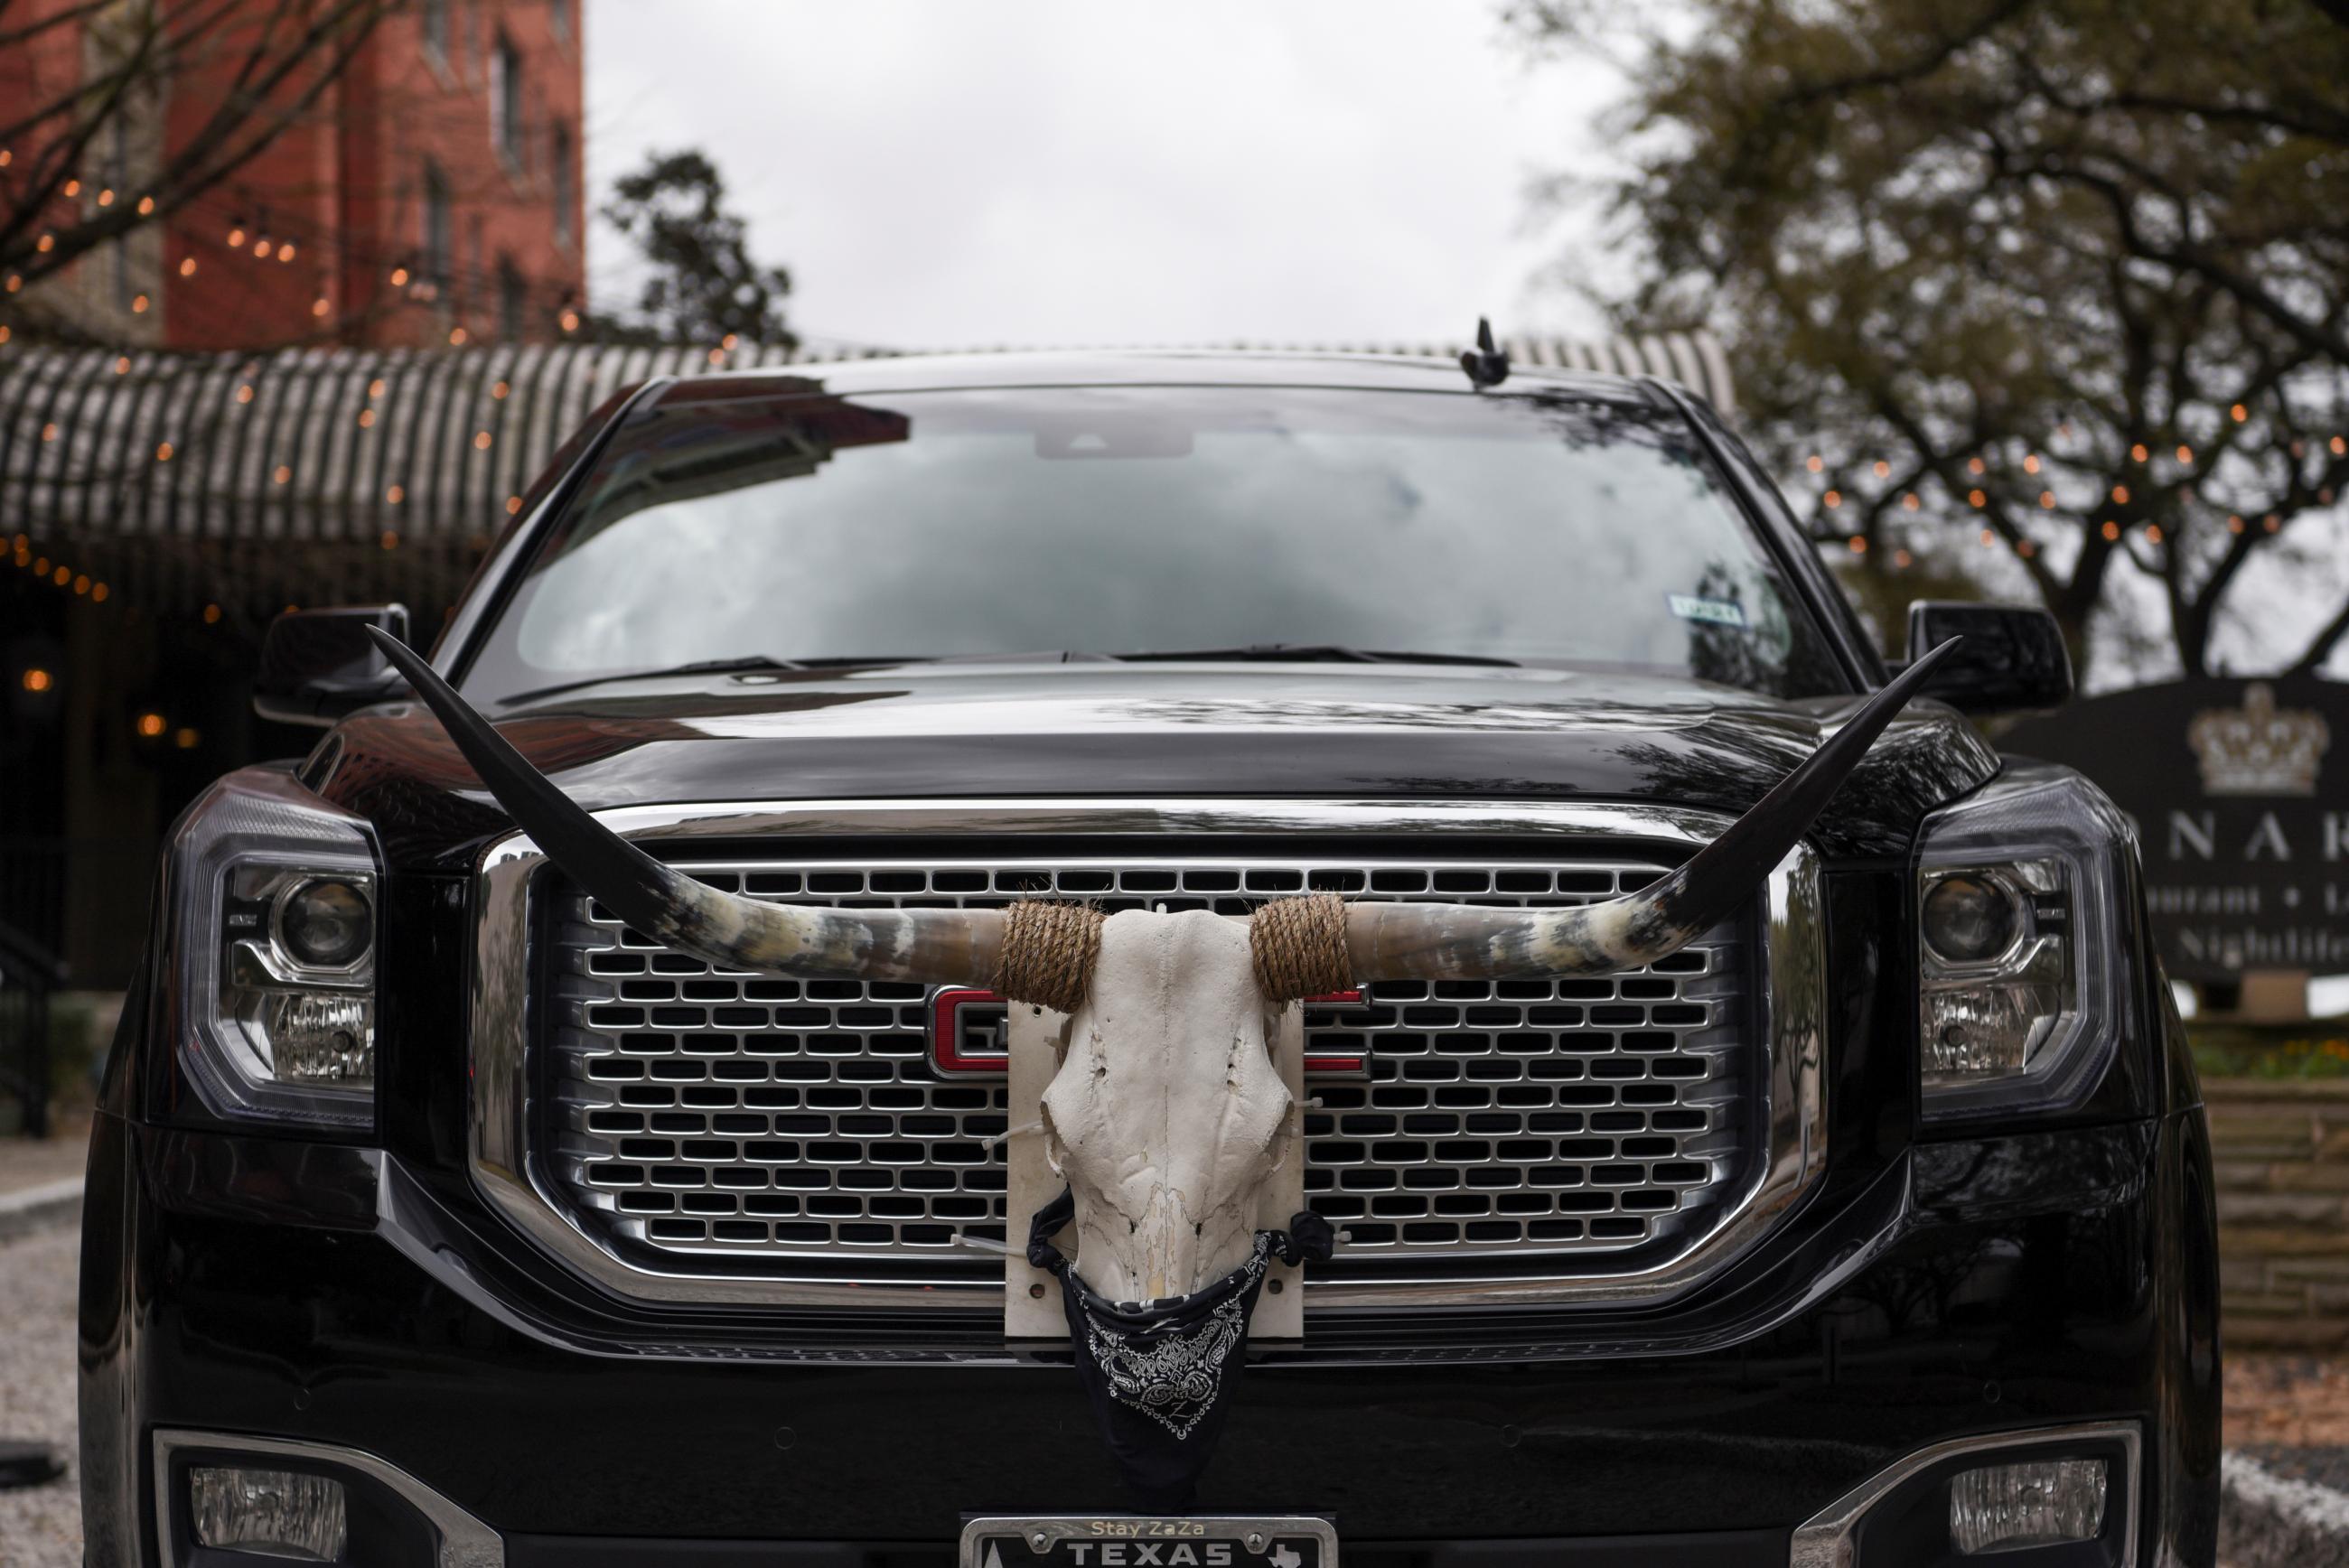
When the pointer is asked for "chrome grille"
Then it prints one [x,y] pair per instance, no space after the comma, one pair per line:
[702,1112]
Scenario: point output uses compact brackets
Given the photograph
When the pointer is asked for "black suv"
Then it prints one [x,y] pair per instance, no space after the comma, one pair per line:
[437,1217]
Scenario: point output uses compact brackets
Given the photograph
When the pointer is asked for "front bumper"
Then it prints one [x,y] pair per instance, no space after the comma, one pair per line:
[330,1296]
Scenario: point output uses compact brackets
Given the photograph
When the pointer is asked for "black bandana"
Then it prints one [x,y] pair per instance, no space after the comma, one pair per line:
[1160,1373]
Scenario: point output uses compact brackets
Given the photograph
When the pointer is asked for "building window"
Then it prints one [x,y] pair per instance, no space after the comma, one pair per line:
[560,19]
[118,178]
[440,232]
[567,213]
[436,30]
[513,301]
[505,100]
[476,264]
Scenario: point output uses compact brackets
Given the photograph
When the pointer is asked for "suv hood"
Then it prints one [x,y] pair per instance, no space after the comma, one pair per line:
[1159,729]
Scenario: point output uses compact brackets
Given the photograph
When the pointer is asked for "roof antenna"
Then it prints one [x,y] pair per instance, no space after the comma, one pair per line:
[1486,365]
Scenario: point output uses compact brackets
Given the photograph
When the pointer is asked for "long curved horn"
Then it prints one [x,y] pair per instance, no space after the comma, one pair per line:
[1468,941]
[933,945]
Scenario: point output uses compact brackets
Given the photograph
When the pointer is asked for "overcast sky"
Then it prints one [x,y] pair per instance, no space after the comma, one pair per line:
[952,175]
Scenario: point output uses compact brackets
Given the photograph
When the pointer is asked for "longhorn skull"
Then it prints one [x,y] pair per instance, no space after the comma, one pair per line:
[1165,1113]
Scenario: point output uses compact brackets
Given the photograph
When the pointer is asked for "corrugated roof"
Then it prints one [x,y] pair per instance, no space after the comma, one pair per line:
[342,444]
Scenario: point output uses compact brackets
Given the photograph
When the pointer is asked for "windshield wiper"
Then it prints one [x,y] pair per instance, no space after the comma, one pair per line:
[698,667]
[1262,653]
[1314,654]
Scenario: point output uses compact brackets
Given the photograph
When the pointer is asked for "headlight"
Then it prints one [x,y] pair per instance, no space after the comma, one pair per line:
[273,905]
[2018,900]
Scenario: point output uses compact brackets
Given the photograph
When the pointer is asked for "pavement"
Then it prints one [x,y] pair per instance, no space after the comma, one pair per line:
[2286,1479]
[40,1245]
[40,1527]
[43,1161]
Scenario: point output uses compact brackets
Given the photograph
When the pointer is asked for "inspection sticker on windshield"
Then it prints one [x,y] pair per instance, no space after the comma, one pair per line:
[1717,611]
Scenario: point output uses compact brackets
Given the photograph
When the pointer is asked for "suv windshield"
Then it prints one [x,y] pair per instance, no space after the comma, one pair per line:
[725,522]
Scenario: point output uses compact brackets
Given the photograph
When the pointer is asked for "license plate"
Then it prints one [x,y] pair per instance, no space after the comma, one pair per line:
[1135,1541]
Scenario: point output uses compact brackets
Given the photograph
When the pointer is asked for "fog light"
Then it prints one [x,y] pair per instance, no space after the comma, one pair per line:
[2043,1503]
[276,1513]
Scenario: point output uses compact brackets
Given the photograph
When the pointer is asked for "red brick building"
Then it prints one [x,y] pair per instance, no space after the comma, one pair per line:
[430,193]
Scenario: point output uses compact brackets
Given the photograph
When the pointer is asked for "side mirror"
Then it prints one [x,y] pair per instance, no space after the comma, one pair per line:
[317,664]
[2013,659]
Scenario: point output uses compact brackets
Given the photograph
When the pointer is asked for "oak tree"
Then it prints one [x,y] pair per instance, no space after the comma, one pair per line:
[2068,279]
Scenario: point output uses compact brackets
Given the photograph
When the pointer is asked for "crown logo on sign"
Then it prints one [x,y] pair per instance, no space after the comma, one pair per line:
[2258,749]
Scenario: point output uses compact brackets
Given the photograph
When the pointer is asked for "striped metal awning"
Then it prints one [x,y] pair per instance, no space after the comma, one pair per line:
[259,476]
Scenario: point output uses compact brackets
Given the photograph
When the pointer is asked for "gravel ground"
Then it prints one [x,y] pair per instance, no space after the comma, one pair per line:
[40,1527]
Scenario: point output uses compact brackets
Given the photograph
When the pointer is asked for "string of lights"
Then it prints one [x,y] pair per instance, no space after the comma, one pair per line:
[2179,475]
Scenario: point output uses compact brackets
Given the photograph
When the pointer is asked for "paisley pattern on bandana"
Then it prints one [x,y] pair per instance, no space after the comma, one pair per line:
[1174,1377]
[1160,1374]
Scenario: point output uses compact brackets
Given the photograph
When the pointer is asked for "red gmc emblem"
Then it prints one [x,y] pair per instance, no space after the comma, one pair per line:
[966,1033]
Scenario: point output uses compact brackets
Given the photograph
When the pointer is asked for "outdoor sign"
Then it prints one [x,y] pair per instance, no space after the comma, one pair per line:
[2240,793]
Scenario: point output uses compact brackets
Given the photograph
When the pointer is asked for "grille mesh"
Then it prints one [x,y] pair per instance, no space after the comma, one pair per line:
[717,1113]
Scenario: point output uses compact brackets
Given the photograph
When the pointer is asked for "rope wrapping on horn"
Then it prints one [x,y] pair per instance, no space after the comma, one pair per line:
[1299,946]
[1048,956]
